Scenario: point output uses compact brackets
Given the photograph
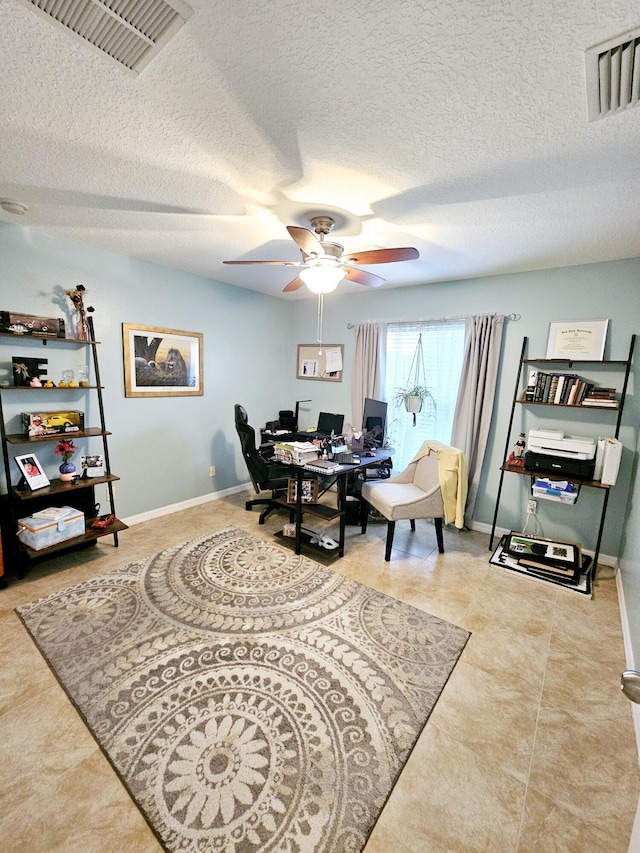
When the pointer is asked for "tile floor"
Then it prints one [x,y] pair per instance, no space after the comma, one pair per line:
[530,748]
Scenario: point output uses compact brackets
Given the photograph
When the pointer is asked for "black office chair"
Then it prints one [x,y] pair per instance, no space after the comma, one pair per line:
[264,475]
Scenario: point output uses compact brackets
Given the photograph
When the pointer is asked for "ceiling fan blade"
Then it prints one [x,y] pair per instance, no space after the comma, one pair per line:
[296,284]
[273,263]
[306,240]
[382,256]
[362,277]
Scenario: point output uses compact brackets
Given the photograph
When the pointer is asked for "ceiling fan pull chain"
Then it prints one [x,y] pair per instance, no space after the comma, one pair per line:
[320,312]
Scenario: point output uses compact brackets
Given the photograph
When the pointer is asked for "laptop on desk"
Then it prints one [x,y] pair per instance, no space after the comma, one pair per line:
[328,423]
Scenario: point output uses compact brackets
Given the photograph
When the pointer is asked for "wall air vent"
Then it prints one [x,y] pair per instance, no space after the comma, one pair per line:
[613,75]
[130,31]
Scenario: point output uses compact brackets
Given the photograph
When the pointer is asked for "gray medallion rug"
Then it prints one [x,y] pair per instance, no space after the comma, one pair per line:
[249,699]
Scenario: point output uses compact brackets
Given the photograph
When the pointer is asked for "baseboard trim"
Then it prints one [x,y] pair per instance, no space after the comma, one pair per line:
[628,654]
[158,512]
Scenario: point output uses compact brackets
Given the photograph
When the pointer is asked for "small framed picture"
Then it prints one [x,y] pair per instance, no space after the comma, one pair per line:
[32,471]
[92,466]
[577,340]
[309,491]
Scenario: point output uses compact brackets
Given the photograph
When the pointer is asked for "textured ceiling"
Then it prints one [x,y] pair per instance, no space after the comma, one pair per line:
[459,128]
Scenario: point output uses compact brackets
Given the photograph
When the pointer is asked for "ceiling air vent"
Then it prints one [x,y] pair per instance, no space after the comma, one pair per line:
[130,31]
[613,75]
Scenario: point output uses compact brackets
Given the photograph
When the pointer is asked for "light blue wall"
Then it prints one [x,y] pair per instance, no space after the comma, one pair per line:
[584,292]
[162,448]
[595,291]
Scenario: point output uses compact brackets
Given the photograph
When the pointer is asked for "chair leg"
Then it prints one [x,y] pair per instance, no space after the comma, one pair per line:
[438,524]
[412,522]
[256,502]
[391,527]
[364,515]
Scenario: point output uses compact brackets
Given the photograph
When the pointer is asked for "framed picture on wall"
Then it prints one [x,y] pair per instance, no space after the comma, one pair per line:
[577,340]
[161,362]
[320,361]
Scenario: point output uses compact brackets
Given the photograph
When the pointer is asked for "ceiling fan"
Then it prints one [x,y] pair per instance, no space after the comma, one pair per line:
[324,263]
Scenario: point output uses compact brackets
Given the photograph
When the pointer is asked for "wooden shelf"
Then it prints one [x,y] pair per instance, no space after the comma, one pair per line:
[519,469]
[621,365]
[90,432]
[19,501]
[58,488]
[315,552]
[575,407]
[91,535]
[572,361]
[45,339]
[53,388]
[328,513]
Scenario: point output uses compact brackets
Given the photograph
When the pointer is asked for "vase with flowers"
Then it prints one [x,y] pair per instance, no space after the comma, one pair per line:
[66,448]
[81,326]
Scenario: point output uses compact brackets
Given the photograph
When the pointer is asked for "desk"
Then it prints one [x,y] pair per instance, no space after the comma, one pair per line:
[324,511]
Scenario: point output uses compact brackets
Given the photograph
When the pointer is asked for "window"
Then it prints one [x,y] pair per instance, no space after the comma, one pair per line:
[443,348]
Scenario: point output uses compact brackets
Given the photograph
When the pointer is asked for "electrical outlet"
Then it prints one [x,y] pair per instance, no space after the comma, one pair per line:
[532,507]
[212,470]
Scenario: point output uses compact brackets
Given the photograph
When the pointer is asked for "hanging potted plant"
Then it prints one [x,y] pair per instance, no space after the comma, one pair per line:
[414,393]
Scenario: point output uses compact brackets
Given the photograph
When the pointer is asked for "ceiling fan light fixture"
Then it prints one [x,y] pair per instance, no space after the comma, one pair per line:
[322,279]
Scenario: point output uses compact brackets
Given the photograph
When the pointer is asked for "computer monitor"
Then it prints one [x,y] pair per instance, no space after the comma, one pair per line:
[374,421]
[330,423]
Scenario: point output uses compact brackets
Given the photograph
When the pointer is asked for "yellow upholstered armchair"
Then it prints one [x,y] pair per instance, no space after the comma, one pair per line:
[433,485]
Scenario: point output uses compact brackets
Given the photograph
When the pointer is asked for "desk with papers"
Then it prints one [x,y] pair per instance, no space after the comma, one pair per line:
[324,512]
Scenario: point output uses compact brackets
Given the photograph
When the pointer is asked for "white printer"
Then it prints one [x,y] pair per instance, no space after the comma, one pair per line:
[553,442]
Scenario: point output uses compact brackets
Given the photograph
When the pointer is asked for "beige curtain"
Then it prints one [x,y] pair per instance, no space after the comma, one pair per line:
[368,367]
[474,407]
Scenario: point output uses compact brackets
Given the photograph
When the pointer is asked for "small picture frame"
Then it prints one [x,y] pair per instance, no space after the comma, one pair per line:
[577,340]
[92,466]
[32,472]
[309,491]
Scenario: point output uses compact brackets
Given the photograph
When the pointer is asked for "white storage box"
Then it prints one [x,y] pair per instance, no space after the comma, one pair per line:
[39,533]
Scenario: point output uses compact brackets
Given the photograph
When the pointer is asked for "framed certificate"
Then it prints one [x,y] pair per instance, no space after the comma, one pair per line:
[577,340]
[32,471]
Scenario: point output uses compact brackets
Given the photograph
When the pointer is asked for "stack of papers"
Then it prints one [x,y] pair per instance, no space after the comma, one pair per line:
[53,512]
[554,490]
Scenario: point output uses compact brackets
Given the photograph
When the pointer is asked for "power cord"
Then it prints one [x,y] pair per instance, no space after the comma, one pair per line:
[538,531]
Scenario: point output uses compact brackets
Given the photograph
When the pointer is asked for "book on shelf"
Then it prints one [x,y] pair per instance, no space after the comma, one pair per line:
[528,395]
[565,389]
[600,397]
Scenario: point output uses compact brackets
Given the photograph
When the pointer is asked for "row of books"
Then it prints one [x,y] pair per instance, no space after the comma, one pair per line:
[604,397]
[566,389]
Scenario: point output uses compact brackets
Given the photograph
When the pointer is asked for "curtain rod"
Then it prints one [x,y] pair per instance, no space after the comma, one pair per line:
[513,316]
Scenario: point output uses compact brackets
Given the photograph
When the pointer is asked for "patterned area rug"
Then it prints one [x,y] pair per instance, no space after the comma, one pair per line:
[249,699]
